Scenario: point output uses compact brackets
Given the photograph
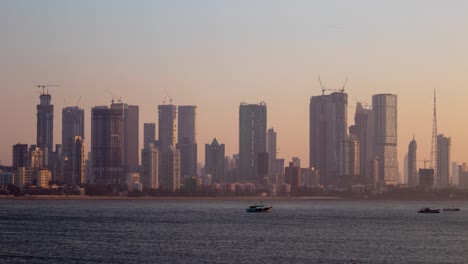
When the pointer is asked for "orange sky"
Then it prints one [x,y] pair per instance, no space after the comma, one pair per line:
[217,54]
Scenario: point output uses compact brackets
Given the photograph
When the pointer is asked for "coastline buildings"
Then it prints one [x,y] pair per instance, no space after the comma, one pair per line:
[385,121]
[364,131]
[215,161]
[150,167]
[45,126]
[112,142]
[187,143]
[169,156]
[252,139]
[443,161]
[413,177]
[149,134]
[20,156]
[271,149]
[75,165]
[327,135]
[72,126]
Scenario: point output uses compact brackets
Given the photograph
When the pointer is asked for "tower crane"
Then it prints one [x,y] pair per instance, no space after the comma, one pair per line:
[44,86]
[328,89]
[113,97]
[425,161]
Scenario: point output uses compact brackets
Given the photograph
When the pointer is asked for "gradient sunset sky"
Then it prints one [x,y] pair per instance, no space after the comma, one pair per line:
[216,54]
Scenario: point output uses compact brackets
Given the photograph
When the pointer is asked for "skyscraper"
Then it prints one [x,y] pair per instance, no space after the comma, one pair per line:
[75,163]
[252,139]
[413,176]
[107,144]
[271,149]
[364,130]
[45,126]
[442,177]
[72,126]
[327,135]
[150,167]
[385,121]
[167,126]
[20,155]
[169,160]
[132,134]
[187,143]
[214,161]
[149,134]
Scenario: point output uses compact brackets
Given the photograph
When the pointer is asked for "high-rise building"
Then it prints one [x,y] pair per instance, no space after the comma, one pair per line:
[443,161]
[271,149]
[45,126]
[455,175]
[149,134]
[413,177]
[75,166]
[187,123]
[352,156]
[169,161]
[187,142]
[293,176]
[132,134]
[35,158]
[463,176]
[252,139]
[114,142]
[150,167]
[385,124]
[20,155]
[169,170]
[107,144]
[327,135]
[364,130]
[72,126]
[215,161]
[167,129]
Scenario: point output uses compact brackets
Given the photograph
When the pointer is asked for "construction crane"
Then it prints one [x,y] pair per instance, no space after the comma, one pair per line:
[363,103]
[44,86]
[167,96]
[113,97]
[328,89]
[425,161]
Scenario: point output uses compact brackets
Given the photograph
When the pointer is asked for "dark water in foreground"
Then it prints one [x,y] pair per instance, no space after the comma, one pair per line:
[129,231]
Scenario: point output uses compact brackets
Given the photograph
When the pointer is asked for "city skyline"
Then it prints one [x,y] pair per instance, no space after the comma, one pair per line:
[286,61]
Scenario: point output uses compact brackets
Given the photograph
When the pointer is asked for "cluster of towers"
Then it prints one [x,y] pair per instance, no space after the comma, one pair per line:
[365,153]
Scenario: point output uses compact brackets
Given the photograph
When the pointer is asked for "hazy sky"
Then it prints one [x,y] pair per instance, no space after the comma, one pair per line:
[216,54]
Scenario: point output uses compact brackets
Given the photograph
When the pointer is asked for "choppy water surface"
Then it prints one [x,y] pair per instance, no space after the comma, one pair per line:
[154,231]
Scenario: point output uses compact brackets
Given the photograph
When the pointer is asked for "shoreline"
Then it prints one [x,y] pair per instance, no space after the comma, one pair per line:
[217,198]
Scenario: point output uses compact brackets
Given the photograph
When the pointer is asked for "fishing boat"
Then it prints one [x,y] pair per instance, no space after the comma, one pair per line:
[258,208]
[451,209]
[427,210]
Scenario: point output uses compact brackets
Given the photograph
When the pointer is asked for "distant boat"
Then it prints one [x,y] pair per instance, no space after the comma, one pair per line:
[428,210]
[451,209]
[258,208]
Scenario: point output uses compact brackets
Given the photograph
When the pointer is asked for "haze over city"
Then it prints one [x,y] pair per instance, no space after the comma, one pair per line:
[216,55]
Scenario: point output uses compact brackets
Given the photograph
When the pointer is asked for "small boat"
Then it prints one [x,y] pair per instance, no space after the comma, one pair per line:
[258,208]
[451,209]
[428,210]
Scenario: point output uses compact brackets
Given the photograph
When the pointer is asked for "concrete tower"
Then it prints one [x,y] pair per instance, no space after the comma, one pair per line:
[384,107]
[187,143]
[442,177]
[72,126]
[252,139]
[327,135]
[45,125]
[413,176]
